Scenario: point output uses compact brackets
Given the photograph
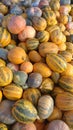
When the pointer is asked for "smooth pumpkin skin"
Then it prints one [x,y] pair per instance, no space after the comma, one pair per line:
[56,62]
[34,56]
[1,95]
[19,126]
[13,92]
[67,55]
[2,63]
[32,94]
[5,112]
[57,125]
[16,24]
[5,37]
[26,67]
[6,76]
[47,47]
[64,101]
[45,106]
[42,68]
[24,111]
[3,126]
[56,115]
[68,118]
[39,23]
[17,55]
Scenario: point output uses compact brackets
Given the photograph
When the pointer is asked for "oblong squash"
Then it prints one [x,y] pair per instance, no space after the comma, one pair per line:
[24,111]
[66,82]
[56,62]
[64,101]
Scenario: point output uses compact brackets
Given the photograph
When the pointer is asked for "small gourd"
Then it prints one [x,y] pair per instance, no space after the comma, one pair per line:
[2,63]
[3,8]
[3,126]
[67,55]
[1,95]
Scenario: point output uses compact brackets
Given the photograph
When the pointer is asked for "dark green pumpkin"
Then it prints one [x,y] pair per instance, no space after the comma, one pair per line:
[32,43]
[24,111]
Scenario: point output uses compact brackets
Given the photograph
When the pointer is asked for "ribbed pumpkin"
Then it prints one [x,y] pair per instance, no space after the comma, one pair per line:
[55,77]
[2,63]
[67,55]
[34,56]
[5,112]
[32,43]
[3,126]
[19,126]
[39,23]
[42,68]
[43,36]
[6,76]
[62,27]
[17,55]
[47,85]
[69,46]
[48,47]
[52,28]
[34,80]
[56,62]
[64,101]
[3,8]
[54,4]
[57,114]
[50,16]
[66,82]
[63,19]
[5,37]
[45,106]
[62,47]
[68,118]
[58,37]
[20,77]
[32,94]
[69,70]
[13,92]
[24,111]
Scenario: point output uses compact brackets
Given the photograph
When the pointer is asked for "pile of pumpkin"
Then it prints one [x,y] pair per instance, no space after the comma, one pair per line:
[36,65]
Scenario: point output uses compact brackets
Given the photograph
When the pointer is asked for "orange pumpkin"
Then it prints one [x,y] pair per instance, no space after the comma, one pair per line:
[17,55]
[26,67]
[16,24]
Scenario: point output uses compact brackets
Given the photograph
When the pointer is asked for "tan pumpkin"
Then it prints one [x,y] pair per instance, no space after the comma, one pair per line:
[16,24]
[67,55]
[6,76]
[57,114]
[39,23]
[42,68]
[17,55]
[12,92]
[58,37]
[26,67]
[47,47]
[34,56]
[64,101]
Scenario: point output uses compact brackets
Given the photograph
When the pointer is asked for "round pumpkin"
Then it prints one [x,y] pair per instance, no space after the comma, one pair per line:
[16,24]
[57,125]
[39,23]
[5,112]
[56,62]
[5,37]
[47,47]
[19,126]
[3,8]
[13,92]
[56,115]
[47,85]
[34,56]
[32,43]
[6,76]
[26,67]
[34,80]
[67,55]
[3,126]
[32,94]
[43,36]
[24,112]
[20,77]
[28,32]
[17,55]
[42,68]
[45,106]
[64,101]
